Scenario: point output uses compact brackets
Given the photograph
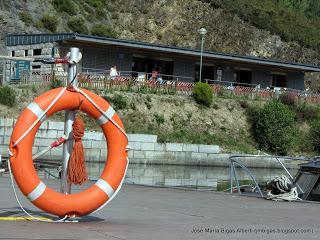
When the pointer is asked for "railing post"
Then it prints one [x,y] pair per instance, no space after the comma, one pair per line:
[69,118]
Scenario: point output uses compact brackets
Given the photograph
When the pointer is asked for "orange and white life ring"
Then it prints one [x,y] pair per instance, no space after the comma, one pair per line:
[42,196]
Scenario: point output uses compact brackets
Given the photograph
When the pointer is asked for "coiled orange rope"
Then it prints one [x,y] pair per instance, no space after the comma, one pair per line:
[77,172]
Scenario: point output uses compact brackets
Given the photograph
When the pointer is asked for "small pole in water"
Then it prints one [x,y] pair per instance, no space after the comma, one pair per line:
[231,176]
[69,118]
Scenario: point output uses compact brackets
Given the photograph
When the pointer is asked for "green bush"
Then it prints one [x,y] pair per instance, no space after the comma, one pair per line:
[100,14]
[49,22]
[148,104]
[66,6]
[103,31]
[315,134]
[55,83]
[273,126]
[77,24]
[159,118]
[26,18]
[96,3]
[119,102]
[202,93]
[7,96]
[133,106]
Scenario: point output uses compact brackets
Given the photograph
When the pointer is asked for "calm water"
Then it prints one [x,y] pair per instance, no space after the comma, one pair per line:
[202,178]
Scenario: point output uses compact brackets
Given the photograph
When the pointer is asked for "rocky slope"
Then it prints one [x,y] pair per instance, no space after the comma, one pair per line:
[172,22]
[174,118]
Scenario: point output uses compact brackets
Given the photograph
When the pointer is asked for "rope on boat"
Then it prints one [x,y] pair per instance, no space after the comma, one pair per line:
[280,189]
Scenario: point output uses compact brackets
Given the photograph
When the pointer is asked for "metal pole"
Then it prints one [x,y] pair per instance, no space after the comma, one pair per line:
[53,67]
[279,161]
[252,177]
[202,41]
[69,118]
[236,178]
[231,176]
[284,168]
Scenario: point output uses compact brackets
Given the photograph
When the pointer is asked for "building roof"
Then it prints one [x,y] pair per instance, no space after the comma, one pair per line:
[29,39]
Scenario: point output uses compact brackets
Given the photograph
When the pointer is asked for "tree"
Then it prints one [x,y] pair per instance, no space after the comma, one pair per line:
[49,22]
[77,24]
[103,31]
[273,126]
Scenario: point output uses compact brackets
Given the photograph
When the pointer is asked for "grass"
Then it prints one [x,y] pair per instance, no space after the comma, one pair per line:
[227,142]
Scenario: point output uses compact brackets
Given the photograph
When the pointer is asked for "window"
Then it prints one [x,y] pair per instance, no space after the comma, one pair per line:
[12,53]
[25,52]
[207,74]
[141,66]
[37,52]
[279,80]
[36,67]
[243,77]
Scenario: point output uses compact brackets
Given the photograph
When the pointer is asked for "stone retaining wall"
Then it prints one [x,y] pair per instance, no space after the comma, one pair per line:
[144,149]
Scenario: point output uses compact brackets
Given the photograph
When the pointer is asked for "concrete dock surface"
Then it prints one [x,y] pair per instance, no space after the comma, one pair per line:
[140,212]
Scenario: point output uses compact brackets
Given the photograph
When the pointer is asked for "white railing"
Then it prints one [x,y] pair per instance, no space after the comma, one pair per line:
[230,83]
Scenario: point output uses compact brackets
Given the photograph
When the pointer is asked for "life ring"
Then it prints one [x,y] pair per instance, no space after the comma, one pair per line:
[42,196]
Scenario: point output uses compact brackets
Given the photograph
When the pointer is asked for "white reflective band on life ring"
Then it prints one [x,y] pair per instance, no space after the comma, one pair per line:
[106,116]
[34,107]
[37,192]
[104,186]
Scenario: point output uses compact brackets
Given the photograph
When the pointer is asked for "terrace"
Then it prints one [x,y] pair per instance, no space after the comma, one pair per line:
[166,84]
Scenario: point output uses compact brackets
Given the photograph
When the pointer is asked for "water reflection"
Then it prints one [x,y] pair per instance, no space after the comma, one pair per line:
[184,176]
[195,177]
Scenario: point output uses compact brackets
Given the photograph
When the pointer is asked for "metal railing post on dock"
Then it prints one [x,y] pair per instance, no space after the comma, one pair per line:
[69,119]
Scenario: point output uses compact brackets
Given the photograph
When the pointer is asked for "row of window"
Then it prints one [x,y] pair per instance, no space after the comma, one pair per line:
[35,52]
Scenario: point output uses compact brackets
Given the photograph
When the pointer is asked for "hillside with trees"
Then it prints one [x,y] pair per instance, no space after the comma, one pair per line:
[292,20]
[280,29]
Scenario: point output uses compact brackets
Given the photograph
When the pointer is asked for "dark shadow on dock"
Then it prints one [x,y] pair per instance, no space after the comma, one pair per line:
[17,212]
[38,238]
